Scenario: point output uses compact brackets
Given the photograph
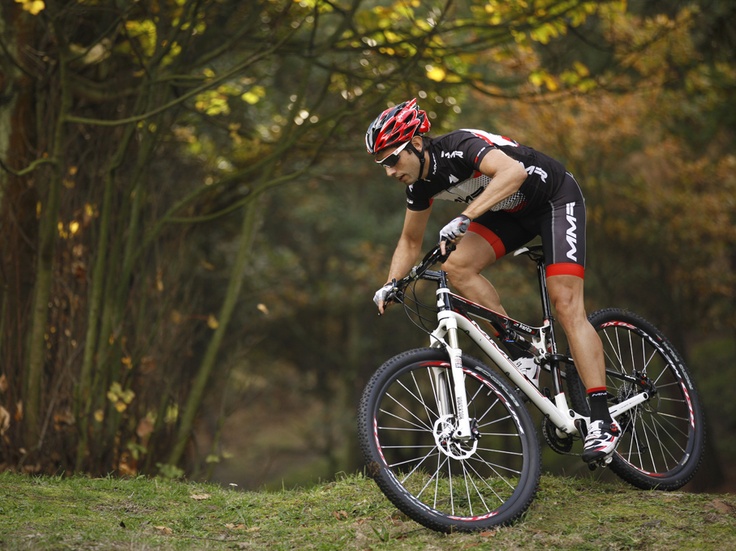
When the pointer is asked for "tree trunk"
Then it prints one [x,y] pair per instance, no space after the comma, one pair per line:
[48,235]
[197,392]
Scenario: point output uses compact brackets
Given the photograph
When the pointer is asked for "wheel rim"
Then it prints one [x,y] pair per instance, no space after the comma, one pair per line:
[658,435]
[462,480]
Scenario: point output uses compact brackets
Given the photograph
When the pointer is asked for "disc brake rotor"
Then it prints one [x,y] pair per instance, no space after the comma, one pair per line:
[444,428]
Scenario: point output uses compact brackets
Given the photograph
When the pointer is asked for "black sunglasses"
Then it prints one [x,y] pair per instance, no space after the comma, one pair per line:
[391,160]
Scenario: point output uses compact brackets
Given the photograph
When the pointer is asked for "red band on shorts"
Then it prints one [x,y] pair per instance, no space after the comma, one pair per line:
[566,268]
[498,247]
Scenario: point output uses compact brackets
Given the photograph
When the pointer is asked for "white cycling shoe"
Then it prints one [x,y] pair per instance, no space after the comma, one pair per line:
[601,440]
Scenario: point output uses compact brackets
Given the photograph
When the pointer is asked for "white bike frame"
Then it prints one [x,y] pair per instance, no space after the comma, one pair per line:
[557,409]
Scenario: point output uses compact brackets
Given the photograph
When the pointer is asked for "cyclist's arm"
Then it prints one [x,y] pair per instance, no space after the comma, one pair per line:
[409,246]
[506,174]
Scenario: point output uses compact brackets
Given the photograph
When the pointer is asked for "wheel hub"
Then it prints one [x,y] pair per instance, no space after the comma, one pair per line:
[444,428]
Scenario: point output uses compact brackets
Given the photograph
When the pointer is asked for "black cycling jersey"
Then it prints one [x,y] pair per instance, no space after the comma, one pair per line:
[549,203]
[454,161]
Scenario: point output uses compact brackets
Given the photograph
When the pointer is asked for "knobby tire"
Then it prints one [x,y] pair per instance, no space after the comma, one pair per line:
[663,438]
[443,483]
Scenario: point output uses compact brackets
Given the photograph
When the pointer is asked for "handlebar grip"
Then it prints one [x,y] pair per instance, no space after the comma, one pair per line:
[449,247]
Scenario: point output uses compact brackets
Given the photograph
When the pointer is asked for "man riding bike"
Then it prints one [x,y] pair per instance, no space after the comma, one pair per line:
[511,194]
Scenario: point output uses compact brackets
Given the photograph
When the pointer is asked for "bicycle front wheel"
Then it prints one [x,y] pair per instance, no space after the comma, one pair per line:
[663,438]
[407,420]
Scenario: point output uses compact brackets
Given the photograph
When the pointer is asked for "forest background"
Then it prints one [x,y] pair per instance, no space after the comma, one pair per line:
[192,231]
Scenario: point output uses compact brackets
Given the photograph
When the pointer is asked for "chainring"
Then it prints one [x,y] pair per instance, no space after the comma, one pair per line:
[562,445]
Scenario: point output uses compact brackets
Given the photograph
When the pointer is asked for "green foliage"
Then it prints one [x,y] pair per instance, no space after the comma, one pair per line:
[142,134]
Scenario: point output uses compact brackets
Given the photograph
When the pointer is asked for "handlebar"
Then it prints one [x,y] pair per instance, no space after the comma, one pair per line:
[433,257]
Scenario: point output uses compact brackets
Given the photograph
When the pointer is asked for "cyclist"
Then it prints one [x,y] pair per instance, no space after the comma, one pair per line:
[511,194]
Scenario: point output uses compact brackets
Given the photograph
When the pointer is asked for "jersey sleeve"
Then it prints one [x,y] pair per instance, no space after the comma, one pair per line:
[474,145]
[417,201]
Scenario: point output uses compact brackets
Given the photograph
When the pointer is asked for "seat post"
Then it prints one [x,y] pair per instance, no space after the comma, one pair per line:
[543,292]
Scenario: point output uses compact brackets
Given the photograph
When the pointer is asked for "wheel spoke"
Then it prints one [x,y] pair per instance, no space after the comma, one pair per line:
[466,480]
[662,438]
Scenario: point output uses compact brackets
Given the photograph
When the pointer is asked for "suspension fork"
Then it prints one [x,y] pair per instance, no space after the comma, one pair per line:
[448,329]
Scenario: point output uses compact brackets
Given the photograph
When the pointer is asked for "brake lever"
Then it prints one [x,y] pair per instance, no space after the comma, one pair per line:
[394,296]
[449,247]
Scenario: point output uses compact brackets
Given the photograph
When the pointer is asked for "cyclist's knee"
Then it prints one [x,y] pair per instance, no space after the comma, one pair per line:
[459,269]
[567,300]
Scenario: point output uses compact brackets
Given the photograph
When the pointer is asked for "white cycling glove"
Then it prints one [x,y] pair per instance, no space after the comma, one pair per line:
[383,293]
[456,228]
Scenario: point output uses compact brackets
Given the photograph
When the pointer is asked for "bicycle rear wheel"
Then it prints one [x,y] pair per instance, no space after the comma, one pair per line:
[663,438]
[439,481]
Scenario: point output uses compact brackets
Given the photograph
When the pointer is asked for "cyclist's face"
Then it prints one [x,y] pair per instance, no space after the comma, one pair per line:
[400,164]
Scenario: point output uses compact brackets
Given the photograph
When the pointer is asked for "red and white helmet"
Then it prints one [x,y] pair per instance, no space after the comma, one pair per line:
[395,126]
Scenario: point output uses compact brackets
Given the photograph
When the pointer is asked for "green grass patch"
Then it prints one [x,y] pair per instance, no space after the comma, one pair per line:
[44,513]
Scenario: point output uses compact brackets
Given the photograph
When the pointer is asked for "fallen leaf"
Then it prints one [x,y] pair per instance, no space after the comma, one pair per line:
[200,497]
[164,530]
[340,515]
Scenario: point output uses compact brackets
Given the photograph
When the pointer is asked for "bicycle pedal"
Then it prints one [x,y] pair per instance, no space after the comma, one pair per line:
[602,463]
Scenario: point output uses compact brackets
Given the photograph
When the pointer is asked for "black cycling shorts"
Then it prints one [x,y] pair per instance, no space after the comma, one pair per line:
[560,223]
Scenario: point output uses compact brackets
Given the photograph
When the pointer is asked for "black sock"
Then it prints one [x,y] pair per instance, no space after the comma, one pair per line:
[598,399]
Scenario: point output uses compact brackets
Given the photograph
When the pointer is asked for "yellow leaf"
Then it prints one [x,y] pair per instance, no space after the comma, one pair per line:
[127,396]
[437,74]
[99,415]
[4,420]
[34,7]
[172,413]
[212,322]
[254,95]
[581,69]
[120,406]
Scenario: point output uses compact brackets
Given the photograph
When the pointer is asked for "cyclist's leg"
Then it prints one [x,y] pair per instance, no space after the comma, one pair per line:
[463,267]
[563,238]
[489,237]
[567,297]
[562,227]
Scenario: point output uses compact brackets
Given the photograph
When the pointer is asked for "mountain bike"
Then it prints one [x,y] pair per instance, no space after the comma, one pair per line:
[450,442]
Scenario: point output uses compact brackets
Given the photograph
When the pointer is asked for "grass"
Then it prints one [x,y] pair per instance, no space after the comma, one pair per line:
[54,513]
